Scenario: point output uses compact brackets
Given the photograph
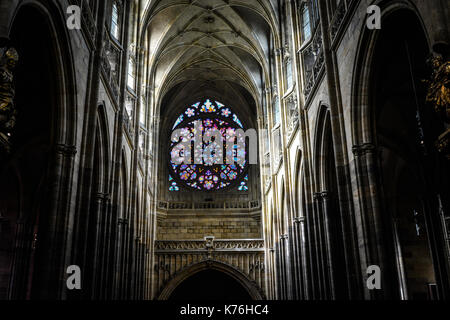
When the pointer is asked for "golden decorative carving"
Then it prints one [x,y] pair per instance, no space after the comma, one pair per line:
[439,96]
[439,87]
[8,61]
[443,143]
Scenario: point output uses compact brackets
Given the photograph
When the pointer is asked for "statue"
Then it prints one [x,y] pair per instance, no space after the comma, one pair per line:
[8,61]
[439,87]
[439,96]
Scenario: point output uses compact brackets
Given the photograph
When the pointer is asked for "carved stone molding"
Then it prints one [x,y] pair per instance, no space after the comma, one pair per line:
[293,114]
[102,197]
[338,19]
[226,205]
[162,267]
[298,220]
[325,195]
[314,53]
[439,97]
[87,19]
[66,150]
[9,58]
[443,144]
[110,61]
[361,150]
[286,54]
[317,196]
[258,265]
[162,246]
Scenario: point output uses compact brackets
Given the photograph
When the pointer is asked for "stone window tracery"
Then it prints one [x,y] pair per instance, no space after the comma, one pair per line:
[209,175]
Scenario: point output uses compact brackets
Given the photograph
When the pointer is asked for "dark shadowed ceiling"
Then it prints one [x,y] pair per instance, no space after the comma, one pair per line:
[210,48]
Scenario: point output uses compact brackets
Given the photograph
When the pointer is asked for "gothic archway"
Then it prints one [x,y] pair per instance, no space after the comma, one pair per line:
[41,155]
[253,291]
[397,167]
[209,285]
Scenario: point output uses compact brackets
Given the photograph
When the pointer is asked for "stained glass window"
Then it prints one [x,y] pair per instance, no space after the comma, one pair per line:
[115,29]
[276,107]
[306,25]
[131,79]
[208,174]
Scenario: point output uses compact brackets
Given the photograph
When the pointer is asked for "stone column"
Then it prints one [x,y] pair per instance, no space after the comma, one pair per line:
[286,268]
[121,258]
[370,217]
[97,267]
[303,262]
[56,239]
[312,262]
[295,255]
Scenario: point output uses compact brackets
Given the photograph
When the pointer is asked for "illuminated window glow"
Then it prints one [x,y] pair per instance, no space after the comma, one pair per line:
[208,176]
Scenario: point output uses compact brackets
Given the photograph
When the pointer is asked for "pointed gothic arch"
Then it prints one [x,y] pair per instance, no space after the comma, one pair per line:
[45,133]
[254,292]
[392,167]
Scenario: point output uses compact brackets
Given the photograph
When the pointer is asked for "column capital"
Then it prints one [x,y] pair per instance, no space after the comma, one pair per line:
[66,150]
[102,196]
[363,149]
[357,150]
[299,219]
[317,195]
[325,195]
[369,147]
[260,120]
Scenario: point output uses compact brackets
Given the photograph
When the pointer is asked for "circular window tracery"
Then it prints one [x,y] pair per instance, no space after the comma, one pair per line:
[209,175]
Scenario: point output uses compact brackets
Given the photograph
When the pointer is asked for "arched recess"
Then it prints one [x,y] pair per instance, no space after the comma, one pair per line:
[299,232]
[399,173]
[61,64]
[121,249]
[328,216]
[253,290]
[98,221]
[101,150]
[42,152]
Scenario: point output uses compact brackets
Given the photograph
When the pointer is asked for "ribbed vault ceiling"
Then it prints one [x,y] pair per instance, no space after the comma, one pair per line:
[210,48]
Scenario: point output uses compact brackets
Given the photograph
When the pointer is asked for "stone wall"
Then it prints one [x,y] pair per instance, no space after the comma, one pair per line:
[176,228]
